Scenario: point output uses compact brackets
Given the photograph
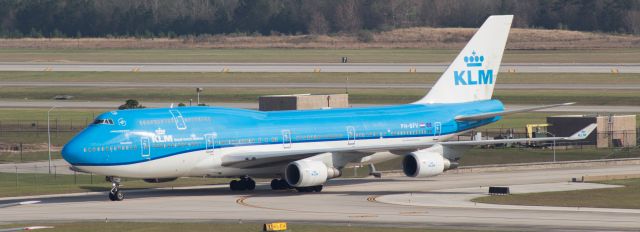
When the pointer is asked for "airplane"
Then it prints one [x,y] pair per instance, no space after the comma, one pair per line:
[303,149]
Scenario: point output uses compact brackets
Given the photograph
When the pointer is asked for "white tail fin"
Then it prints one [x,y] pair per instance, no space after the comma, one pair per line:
[473,74]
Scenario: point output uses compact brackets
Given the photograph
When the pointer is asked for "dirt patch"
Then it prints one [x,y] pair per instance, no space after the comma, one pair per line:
[420,37]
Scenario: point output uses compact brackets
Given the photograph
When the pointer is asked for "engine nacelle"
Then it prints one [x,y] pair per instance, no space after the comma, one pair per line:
[305,173]
[159,180]
[426,164]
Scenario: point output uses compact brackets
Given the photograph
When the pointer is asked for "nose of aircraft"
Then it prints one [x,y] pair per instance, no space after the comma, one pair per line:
[72,151]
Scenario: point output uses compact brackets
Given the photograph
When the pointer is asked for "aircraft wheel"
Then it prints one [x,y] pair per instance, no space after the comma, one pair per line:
[285,184]
[303,189]
[234,185]
[112,196]
[275,184]
[249,184]
[116,196]
[119,195]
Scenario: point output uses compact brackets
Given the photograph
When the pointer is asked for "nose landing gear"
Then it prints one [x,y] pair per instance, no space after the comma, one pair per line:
[245,183]
[115,194]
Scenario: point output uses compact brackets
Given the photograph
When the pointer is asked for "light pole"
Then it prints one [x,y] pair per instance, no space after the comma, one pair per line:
[554,146]
[198,90]
[49,136]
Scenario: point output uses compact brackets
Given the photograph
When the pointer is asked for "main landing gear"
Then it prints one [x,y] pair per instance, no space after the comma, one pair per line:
[115,194]
[281,184]
[317,188]
[245,183]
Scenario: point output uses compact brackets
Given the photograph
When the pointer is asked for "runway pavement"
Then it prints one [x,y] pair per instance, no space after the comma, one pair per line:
[573,86]
[349,201]
[248,105]
[311,67]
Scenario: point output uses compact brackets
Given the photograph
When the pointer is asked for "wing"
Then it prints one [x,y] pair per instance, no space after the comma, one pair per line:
[279,159]
[475,117]
[582,134]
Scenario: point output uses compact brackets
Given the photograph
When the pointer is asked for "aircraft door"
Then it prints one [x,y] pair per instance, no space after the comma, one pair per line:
[351,135]
[145,146]
[286,139]
[177,117]
[210,140]
[437,128]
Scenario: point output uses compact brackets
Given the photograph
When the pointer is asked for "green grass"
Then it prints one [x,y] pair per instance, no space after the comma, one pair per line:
[306,55]
[211,227]
[625,197]
[35,140]
[590,97]
[62,115]
[28,156]
[519,121]
[29,184]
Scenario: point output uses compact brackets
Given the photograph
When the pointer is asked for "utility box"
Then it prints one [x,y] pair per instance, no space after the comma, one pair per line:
[303,102]
[611,130]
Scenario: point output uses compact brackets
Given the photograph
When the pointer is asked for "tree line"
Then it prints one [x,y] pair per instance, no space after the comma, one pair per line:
[169,18]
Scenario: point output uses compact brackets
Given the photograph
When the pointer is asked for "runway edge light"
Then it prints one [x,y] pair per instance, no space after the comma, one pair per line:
[275,226]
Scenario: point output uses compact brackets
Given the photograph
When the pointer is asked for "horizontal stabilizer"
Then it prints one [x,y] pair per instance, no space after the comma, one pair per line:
[581,134]
[475,117]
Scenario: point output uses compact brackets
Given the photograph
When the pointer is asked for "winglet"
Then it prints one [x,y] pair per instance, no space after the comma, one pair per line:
[584,133]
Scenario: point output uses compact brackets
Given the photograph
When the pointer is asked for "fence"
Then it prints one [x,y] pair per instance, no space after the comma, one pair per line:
[35,179]
[55,125]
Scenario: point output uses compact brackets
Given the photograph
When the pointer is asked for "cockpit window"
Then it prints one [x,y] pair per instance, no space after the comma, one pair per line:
[107,121]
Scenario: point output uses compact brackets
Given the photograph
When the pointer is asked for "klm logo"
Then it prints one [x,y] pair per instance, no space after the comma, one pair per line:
[162,138]
[473,77]
[582,134]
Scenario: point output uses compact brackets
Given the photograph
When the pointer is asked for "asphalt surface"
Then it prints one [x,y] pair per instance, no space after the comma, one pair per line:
[114,105]
[311,67]
[573,86]
[433,202]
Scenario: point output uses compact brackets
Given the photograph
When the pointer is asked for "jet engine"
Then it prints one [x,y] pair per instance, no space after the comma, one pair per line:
[426,163]
[159,180]
[306,173]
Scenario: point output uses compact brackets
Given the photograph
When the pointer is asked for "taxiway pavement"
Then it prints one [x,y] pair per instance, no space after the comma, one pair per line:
[348,201]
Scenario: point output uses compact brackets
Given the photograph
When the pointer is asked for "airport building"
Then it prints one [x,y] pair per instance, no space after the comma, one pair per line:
[612,130]
[303,102]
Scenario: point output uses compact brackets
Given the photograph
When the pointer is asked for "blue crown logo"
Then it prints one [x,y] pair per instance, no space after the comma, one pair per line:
[474,60]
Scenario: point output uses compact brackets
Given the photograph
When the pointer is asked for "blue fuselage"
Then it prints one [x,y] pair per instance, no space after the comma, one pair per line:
[134,136]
